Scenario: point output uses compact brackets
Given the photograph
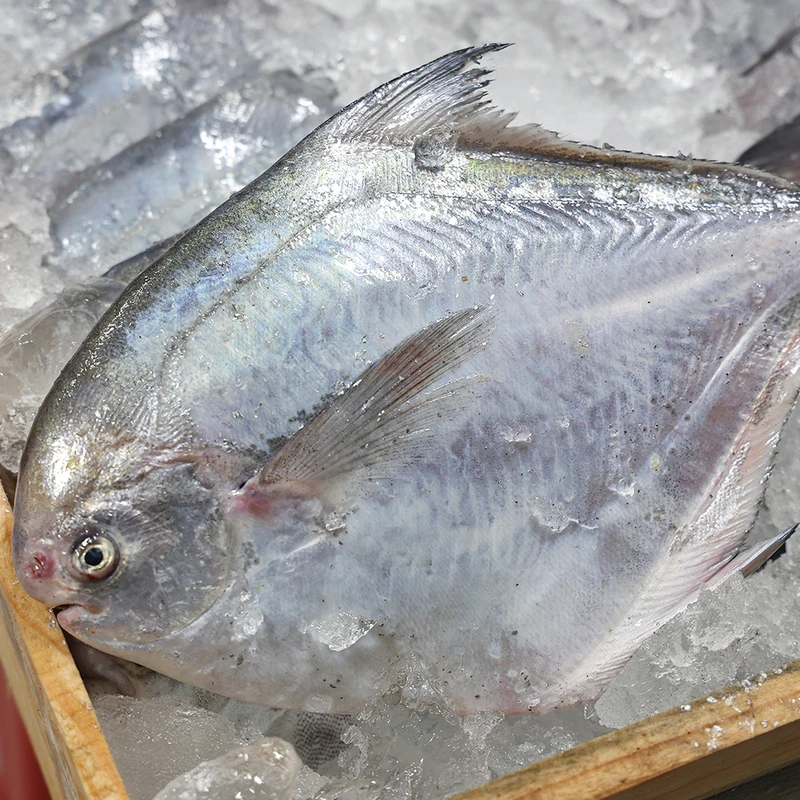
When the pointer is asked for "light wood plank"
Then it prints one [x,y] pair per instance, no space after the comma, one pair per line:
[732,736]
[49,692]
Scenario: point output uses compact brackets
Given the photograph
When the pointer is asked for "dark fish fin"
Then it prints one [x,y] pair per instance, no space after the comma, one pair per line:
[8,481]
[778,153]
[447,100]
[379,423]
[751,559]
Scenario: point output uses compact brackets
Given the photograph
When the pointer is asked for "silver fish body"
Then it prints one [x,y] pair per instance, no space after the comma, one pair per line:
[432,396]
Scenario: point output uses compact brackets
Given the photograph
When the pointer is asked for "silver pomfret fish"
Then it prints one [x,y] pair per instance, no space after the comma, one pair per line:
[432,391]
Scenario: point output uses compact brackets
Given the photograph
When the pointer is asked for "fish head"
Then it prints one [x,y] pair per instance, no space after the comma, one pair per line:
[126,543]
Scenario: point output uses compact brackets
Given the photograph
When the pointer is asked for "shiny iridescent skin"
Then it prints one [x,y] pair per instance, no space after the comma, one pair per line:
[605,462]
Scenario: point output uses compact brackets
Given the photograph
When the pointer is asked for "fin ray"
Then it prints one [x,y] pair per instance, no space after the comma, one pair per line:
[379,422]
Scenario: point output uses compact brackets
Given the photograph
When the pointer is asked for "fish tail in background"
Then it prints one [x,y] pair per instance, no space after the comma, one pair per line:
[8,482]
[753,558]
[779,152]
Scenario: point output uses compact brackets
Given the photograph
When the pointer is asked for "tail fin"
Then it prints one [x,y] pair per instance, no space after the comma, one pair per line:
[778,153]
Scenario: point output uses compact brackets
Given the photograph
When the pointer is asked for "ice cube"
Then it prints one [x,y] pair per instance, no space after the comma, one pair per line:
[264,770]
[169,735]
[339,630]
[24,241]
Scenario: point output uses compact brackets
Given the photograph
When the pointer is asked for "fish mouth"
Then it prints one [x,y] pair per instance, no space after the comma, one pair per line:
[71,615]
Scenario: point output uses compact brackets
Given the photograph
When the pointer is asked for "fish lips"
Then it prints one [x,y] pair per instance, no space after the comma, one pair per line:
[75,617]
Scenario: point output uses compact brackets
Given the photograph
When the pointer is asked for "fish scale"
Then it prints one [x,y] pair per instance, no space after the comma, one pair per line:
[549,382]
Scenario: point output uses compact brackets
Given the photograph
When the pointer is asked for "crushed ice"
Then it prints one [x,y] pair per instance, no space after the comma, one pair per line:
[339,630]
[264,770]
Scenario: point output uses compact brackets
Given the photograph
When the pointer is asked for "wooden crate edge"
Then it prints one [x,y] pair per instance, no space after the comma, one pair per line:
[690,752]
[52,699]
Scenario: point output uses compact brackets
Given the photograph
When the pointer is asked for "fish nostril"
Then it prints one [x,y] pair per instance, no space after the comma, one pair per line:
[40,567]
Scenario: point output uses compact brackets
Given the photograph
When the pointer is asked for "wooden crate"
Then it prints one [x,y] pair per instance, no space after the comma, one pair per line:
[677,755]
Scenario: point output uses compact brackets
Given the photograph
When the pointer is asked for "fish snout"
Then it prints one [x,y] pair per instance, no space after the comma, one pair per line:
[40,576]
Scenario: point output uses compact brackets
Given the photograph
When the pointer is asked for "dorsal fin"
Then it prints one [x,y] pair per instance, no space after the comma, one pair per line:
[448,98]
[442,94]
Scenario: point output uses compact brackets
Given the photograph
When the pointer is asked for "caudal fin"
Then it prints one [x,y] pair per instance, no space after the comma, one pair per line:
[778,153]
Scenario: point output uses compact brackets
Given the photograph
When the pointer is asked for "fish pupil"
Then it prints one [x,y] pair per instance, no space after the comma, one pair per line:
[93,557]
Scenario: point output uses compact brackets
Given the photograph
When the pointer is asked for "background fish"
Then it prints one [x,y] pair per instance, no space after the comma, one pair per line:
[35,350]
[147,71]
[171,179]
[549,382]
[779,152]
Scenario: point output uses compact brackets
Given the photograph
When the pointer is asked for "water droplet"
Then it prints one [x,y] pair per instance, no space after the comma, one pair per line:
[334,523]
[624,488]
[550,514]
[757,294]
[513,436]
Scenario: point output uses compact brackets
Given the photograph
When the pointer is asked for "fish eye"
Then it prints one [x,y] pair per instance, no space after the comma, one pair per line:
[95,556]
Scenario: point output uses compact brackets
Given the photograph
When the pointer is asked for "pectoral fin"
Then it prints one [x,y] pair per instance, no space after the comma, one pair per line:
[383,421]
